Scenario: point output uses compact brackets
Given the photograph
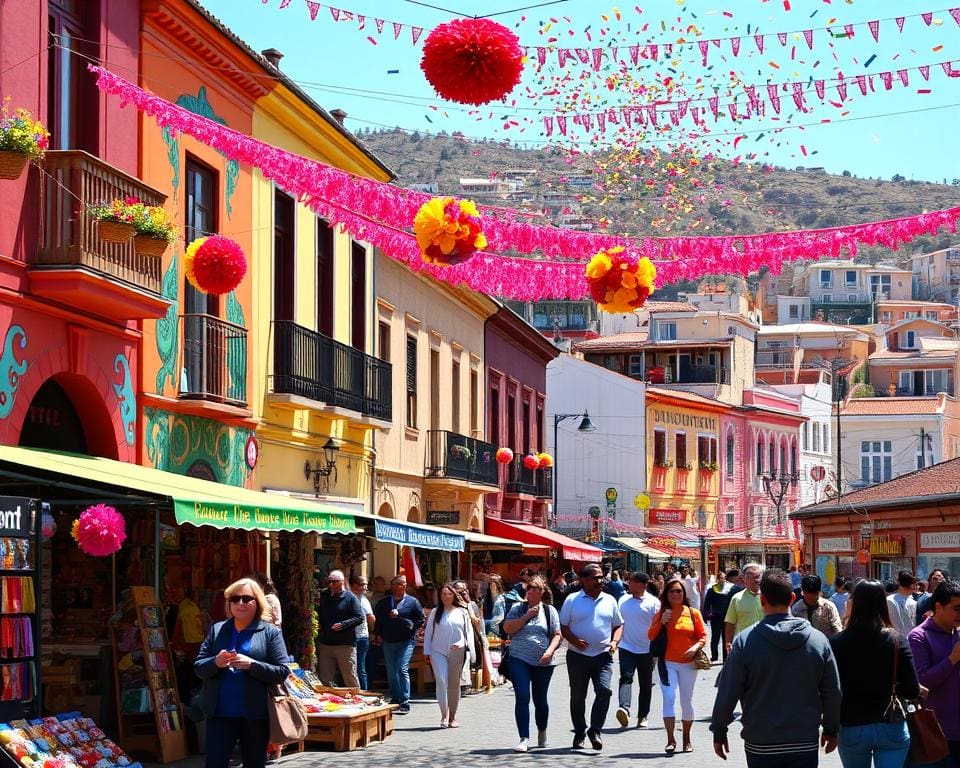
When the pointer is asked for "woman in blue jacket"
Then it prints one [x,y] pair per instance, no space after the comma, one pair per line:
[240,662]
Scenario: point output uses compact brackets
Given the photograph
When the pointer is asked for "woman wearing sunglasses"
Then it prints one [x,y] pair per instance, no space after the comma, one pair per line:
[240,660]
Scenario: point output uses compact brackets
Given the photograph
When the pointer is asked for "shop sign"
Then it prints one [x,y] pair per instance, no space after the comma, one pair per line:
[260,518]
[443,518]
[940,540]
[407,536]
[835,544]
[887,545]
[694,421]
[662,541]
[667,516]
[16,515]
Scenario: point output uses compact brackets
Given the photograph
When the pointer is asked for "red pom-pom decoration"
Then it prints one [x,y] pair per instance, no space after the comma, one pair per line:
[504,455]
[472,61]
[214,264]
[531,462]
[100,530]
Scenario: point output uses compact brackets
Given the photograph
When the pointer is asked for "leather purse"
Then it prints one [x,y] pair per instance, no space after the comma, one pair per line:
[288,721]
[895,712]
[701,660]
[927,742]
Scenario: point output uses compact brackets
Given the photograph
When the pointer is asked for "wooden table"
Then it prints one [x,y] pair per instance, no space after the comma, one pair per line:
[351,729]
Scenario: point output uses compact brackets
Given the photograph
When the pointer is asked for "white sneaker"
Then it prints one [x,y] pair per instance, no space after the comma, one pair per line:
[642,723]
[521,746]
[541,739]
[623,717]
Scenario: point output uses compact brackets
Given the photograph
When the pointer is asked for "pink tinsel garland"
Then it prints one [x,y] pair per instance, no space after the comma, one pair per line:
[382,214]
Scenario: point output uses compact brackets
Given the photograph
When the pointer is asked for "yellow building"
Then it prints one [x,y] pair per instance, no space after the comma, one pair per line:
[432,464]
[317,392]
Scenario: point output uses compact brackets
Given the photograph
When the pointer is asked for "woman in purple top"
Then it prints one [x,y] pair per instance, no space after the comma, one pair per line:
[936,656]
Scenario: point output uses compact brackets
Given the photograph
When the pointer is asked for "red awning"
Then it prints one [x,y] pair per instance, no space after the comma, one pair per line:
[570,549]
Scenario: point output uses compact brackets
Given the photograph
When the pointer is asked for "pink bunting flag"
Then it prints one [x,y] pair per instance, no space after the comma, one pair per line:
[758,41]
[379,23]
[346,15]
[284,3]
[887,79]
[782,37]
[820,87]
[861,81]
[874,29]
[735,45]
[841,87]
[548,126]
[415,33]
[714,102]
[732,109]
[808,37]
[927,18]
[704,46]
[612,116]
[798,96]
[562,55]
[583,54]
[335,12]
[602,122]
[587,122]
[362,21]
[639,114]
[948,69]
[925,71]
[848,30]
[651,113]
[674,117]
[955,12]
[682,107]
[397,29]
[654,51]
[634,54]
[904,77]
[313,8]
[541,56]
[900,20]
[615,53]
[668,49]
[752,95]
[627,116]
[773,97]
[562,124]
[697,114]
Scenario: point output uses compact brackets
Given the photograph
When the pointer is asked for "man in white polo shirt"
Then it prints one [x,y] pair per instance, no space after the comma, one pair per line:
[590,622]
[637,609]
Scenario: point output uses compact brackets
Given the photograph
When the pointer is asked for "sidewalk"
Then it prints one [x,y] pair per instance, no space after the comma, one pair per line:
[487,735]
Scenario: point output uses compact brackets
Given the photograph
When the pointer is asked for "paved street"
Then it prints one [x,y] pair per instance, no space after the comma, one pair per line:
[487,735]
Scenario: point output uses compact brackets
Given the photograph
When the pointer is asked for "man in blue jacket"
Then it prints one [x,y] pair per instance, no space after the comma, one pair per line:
[398,617]
[338,613]
[783,672]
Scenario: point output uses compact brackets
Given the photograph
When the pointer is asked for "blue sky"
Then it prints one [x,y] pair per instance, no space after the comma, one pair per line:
[905,130]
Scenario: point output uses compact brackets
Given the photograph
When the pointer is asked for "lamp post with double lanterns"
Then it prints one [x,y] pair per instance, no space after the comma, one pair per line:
[776,484]
[585,426]
[321,471]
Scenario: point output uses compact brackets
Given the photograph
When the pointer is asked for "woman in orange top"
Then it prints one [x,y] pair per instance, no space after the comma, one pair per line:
[685,636]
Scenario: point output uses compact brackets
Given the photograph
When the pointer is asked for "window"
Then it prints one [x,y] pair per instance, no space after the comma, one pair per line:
[880,286]
[783,457]
[69,85]
[659,448]
[851,278]
[793,311]
[931,315]
[885,316]
[635,366]
[794,465]
[826,437]
[383,340]
[911,315]
[358,298]
[805,436]
[826,298]
[937,381]
[816,437]
[525,426]
[325,278]
[907,339]
[852,298]
[681,451]
[434,394]
[666,330]
[455,393]
[731,447]
[541,445]
[512,423]
[876,461]
[759,461]
[730,519]
[474,398]
[411,381]
[826,278]
[773,456]
[925,456]
[284,256]
[495,416]
[707,451]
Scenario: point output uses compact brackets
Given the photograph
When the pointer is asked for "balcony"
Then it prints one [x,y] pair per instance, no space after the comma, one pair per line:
[843,313]
[309,365]
[688,374]
[71,264]
[564,315]
[544,481]
[452,456]
[520,480]
[214,360]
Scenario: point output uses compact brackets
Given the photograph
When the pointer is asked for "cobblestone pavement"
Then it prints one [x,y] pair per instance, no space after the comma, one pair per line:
[488,734]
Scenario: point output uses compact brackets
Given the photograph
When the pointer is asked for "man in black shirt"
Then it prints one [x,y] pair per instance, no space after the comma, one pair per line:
[338,613]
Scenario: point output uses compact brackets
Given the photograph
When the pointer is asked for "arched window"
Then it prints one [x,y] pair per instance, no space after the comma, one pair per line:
[773,455]
[783,454]
[730,449]
[759,454]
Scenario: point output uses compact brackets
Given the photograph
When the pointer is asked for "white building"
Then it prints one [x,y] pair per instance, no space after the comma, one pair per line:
[588,464]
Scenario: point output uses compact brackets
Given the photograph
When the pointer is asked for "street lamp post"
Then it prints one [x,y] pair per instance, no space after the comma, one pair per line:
[585,426]
[776,484]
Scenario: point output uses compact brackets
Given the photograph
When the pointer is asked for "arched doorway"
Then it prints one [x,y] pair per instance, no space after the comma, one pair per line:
[413,515]
[200,469]
[52,422]
[385,510]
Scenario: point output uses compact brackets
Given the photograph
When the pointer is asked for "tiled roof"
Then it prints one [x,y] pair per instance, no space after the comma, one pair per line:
[893,406]
[680,394]
[920,355]
[939,480]
[616,343]
[669,306]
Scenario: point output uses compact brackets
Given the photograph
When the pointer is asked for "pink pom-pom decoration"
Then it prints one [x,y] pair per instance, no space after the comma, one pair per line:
[472,61]
[531,462]
[215,264]
[100,530]
[504,455]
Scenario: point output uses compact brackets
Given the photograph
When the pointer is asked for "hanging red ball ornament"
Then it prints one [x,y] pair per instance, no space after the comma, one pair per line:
[214,264]
[472,61]
[504,455]
[531,462]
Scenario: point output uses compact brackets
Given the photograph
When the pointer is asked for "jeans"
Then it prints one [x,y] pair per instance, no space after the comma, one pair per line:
[791,760]
[641,665]
[397,658]
[716,638]
[886,743]
[363,645]
[582,670]
[224,732]
[524,677]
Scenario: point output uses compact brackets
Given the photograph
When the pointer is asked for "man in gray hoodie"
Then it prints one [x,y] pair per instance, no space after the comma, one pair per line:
[783,672]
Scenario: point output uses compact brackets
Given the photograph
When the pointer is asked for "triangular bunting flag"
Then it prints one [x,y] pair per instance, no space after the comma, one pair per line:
[862,83]
[900,20]
[808,37]
[627,114]
[668,49]
[379,23]
[634,54]
[652,114]
[397,29]
[773,97]
[925,71]
[602,122]
[583,54]
[820,88]
[948,69]
[704,47]
[904,77]
[284,3]
[714,102]
[758,41]
[927,18]
[654,51]
[313,8]
[596,58]
[335,12]
[955,12]
[751,95]
[732,109]
[875,29]
[615,53]
[562,55]
[562,124]
[541,56]
[346,15]
[735,45]
[415,33]
[887,79]
[548,126]
[782,37]
[798,96]
[362,21]
[848,30]
[841,87]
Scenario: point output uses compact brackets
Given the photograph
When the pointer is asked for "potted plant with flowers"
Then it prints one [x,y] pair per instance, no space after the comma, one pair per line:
[21,139]
[155,230]
[116,219]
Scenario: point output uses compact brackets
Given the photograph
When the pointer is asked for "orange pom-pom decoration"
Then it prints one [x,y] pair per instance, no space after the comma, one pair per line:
[619,283]
[504,455]
[546,460]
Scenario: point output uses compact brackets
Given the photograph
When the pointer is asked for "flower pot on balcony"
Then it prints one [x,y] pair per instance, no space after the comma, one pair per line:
[12,164]
[115,231]
[149,246]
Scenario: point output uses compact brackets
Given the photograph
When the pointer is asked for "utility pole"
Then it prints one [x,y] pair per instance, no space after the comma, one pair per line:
[923,449]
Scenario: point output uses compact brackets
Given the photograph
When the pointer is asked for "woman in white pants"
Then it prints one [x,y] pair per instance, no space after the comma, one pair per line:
[686,635]
[447,643]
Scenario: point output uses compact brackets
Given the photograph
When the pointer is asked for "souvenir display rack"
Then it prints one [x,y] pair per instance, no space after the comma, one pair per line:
[148,704]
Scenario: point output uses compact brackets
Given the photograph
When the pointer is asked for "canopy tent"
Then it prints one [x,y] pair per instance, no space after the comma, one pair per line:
[641,547]
[538,537]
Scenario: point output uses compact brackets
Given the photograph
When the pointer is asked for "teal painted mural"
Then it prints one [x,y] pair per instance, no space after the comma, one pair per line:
[126,398]
[173,155]
[11,369]
[236,352]
[200,105]
[176,443]
[168,328]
